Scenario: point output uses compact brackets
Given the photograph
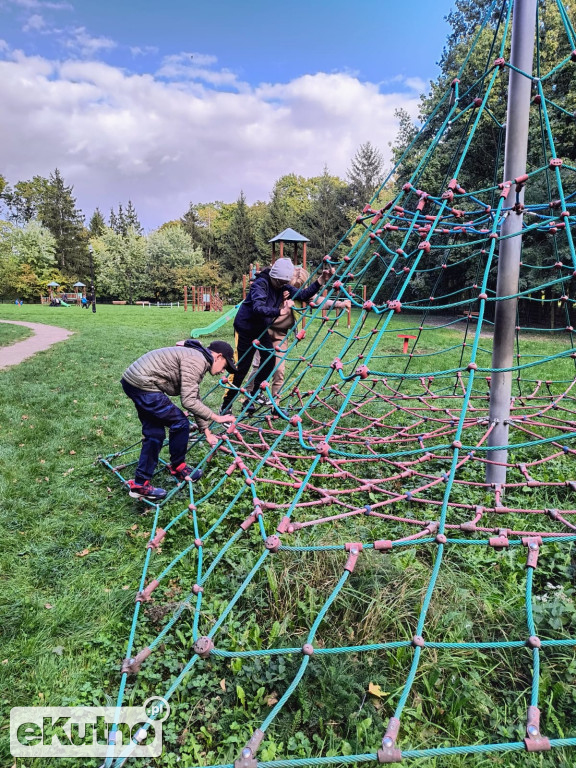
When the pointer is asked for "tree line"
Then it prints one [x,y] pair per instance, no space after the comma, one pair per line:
[45,237]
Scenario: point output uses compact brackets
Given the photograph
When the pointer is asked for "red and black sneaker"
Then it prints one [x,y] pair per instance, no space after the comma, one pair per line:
[145,491]
[185,472]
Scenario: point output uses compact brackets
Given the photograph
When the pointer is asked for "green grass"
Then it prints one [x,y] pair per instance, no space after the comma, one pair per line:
[10,334]
[65,617]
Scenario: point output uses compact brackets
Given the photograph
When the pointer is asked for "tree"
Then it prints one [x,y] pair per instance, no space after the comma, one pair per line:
[97,224]
[113,221]
[131,218]
[365,175]
[240,245]
[168,249]
[121,264]
[57,211]
[23,201]
[27,258]
[326,221]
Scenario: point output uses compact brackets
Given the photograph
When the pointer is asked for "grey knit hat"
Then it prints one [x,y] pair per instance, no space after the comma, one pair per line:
[282,269]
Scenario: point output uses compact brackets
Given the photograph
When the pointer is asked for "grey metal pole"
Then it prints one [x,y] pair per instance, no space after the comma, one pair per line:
[516,149]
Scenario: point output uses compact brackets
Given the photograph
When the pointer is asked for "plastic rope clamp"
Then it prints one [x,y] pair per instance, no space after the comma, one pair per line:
[132,666]
[534,642]
[247,759]
[533,550]
[500,542]
[534,741]
[157,540]
[203,647]
[308,649]
[383,545]
[145,596]
[272,543]
[388,753]
[354,550]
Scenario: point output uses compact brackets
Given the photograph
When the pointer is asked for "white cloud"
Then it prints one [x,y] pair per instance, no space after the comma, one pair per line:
[117,136]
[195,66]
[80,40]
[35,23]
[42,4]
[145,50]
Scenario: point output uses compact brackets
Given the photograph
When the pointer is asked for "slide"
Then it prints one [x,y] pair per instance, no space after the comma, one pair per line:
[210,329]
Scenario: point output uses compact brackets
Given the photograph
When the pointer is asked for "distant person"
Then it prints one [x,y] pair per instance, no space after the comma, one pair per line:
[263,304]
[18,302]
[148,382]
[84,303]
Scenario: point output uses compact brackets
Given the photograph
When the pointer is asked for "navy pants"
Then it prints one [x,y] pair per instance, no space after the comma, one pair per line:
[156,412]
[245,352]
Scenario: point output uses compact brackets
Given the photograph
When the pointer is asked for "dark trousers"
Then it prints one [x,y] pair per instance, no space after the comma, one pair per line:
[245,352]
[156,412]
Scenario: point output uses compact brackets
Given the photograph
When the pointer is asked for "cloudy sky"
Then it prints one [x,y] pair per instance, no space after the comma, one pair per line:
[169,102]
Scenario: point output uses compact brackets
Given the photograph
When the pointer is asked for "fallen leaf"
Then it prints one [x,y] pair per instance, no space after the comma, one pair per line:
[375,690]
[58,650]
[133,527]
[223,685]
[42,461]
[4,661]
[47,605]
[72,453]
[83,553]
[126,586]
[24,417]
[272,699]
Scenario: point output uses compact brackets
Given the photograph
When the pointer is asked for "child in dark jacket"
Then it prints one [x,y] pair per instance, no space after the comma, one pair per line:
[266,300]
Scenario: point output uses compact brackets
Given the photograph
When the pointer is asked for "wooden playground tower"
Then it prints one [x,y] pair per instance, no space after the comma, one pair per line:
[290,237]
[203,298]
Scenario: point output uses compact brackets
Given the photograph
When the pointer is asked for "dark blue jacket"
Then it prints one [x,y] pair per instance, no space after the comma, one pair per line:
[262,305]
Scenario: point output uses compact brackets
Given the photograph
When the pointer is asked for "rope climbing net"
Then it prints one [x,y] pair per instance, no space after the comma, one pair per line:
[370,458]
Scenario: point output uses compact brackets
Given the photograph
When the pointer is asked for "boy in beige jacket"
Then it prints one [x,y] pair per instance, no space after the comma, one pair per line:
[148,382]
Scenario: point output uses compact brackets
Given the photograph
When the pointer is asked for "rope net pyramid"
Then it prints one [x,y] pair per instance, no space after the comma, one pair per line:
[371,460]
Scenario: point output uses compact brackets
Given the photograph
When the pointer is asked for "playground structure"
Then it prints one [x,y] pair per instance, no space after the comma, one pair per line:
[373,452]
[203,299]
[67,297]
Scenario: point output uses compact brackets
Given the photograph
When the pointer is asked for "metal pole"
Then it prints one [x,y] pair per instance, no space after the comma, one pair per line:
[92,287]
[517,121]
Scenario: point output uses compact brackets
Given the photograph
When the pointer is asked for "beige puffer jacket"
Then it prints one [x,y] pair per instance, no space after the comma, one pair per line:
[174,371]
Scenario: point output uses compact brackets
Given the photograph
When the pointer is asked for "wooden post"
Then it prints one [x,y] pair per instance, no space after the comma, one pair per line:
[185,298]
[364,293]
[243,287]
[281,249]
[304,256]
[295,254]
[273,252]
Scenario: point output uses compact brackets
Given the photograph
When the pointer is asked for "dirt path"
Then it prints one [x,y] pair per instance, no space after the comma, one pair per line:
[43,338]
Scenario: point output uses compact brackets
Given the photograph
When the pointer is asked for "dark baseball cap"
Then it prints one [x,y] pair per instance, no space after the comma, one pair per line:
[224,349]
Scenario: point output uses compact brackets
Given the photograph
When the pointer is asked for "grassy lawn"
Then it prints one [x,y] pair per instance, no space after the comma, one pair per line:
[9,334]
[73,547]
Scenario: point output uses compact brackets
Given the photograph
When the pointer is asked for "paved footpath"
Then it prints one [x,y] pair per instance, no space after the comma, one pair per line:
[43,338]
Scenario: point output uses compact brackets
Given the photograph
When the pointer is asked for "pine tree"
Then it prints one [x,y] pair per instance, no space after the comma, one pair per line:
[57,211]
[326,221]
[121,219]
[131,218]
[239,246]
[365,174]
[97,224]
[113,221]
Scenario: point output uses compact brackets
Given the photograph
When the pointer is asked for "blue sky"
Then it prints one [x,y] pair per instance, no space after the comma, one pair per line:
[172,102]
